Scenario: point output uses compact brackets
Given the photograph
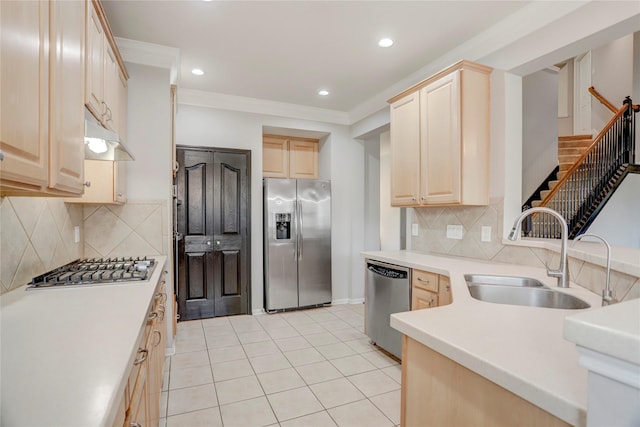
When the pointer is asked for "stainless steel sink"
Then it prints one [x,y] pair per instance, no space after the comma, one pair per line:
[515,290]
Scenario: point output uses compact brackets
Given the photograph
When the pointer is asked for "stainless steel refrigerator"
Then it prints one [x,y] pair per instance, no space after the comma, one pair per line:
[297,243]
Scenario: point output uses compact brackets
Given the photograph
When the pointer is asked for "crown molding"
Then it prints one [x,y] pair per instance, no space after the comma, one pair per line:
[261,106]
[154,55]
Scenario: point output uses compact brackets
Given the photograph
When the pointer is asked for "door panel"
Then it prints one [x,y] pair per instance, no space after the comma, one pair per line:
[314,252]
[195,222]
[230,229]
[213,266]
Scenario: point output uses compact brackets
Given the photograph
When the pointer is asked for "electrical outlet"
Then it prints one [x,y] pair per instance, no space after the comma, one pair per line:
[485,234]
[415,230]
[454,232]
[76,234]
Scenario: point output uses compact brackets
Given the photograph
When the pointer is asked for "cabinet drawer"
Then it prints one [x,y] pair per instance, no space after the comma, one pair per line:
[425,280]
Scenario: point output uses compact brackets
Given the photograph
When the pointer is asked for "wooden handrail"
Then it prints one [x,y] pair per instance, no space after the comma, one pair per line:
[591,147]
[602,99]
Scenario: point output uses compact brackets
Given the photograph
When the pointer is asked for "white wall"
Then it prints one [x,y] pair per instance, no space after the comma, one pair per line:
[372,194]
[341,157]
[389,216]
[539,129]
[149,177]
[612,76]
[149,133]
[618,221]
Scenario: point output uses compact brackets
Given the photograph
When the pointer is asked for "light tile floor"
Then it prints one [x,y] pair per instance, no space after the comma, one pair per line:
[297,369]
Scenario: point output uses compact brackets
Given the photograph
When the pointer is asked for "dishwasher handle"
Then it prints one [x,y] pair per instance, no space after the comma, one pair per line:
[387,271]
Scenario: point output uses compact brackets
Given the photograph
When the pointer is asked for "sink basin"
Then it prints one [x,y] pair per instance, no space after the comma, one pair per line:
[486,279]
[515,290]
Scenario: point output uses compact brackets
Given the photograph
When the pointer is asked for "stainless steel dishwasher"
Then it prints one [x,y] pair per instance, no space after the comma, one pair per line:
[388,290]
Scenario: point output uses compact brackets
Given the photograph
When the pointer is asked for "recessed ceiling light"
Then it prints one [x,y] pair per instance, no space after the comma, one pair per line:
[385,42]
[197,72]
[323,92]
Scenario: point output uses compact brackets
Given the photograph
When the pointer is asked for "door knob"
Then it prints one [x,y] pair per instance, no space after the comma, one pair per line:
[218,242]
[209,242]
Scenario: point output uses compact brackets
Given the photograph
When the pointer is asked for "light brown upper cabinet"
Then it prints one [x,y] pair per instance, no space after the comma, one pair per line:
[106,76]
[289,157]
[42,113]
[440,139]
[105,181]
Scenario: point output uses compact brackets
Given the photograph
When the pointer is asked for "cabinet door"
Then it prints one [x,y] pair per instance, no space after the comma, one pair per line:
[24,104]
[405,151]
[66,114]
[120,182]
[444,293]
[122,103]
[303,159]
[440,141]
[111,89]
[421,298]
[275,157]
[107,181]
[94,81]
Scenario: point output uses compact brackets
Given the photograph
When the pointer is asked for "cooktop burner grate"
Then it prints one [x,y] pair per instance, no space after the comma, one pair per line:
[96,270]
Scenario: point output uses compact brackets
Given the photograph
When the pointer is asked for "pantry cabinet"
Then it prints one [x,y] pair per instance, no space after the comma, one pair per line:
[440,139]
[106,81]
[289,157]
[105,181]
[42,114]
[429,290]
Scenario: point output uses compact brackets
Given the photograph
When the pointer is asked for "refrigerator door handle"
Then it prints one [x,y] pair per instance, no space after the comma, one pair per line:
[300,225]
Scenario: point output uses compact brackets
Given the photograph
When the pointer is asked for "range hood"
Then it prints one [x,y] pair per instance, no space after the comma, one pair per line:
[102,144]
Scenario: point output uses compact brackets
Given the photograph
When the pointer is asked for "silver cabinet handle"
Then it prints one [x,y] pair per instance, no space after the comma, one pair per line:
[145,354]
[119,194]
[420,279]
[152,315]
[135,424]
[1,155]
[87,183]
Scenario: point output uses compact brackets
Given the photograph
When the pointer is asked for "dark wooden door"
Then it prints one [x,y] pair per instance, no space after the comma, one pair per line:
[213,218]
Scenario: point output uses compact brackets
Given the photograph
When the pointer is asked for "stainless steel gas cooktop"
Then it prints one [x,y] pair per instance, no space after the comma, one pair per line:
[96,271]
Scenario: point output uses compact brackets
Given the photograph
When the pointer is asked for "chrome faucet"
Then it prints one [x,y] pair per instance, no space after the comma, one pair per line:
[562,273]
[608,296]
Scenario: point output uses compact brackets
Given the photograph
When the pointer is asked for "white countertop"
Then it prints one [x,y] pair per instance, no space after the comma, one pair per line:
[67,352]
[609,330]
[519,348]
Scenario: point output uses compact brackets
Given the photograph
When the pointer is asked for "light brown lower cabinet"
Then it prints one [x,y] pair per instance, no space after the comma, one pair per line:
[436,391]
[141,400]
[429,290]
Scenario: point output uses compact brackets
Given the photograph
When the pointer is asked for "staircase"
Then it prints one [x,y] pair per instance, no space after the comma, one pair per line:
[570,148]
[589,171]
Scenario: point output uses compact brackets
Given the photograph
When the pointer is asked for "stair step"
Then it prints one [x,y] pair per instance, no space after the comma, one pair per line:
[536,203]
[544,194]
[570,158]
[574,144]
[575,137]
[564,167]
[570,151]
[552,184]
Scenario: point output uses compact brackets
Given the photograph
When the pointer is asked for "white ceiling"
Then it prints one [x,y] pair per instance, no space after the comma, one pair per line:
[287,50]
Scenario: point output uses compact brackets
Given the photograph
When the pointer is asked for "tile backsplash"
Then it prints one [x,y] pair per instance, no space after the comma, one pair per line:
[432,223]
[134,229]
[36,235]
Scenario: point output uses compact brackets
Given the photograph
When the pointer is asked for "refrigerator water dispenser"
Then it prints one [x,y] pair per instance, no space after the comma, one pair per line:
[283,226]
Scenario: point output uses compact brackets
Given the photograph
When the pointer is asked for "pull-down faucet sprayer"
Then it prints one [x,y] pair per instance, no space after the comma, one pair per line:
[562,273]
